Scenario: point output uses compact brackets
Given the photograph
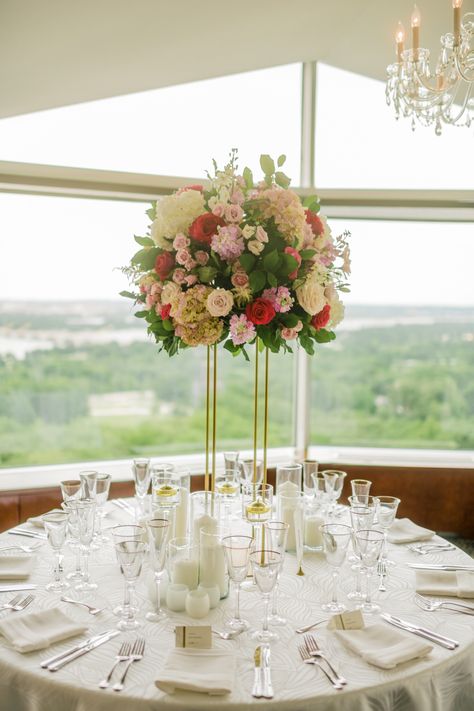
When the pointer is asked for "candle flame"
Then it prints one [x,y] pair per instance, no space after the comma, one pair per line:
[400,33]
[416,16]
[457,4]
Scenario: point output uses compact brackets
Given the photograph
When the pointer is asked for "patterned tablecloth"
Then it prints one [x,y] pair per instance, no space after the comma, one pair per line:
[442,681]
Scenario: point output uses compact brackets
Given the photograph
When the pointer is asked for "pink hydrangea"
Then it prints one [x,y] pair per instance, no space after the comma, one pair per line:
[280,298]
[241,329]
[228,243]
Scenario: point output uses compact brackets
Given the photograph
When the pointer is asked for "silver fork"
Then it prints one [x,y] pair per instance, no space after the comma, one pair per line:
[25,549]
[431,605]
[382,572]
[314,651]
[135,656]
[92,610]
[13,601]
[431,548]
[305,656]
[20,604]
[122,656]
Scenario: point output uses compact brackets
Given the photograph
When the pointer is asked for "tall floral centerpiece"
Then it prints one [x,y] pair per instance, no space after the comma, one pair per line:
[239,263]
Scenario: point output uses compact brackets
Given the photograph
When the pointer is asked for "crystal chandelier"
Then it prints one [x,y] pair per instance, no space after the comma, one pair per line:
[442,97]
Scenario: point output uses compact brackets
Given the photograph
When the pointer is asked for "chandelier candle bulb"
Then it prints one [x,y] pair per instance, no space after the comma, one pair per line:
[415,31]
[400,40]
[457,4]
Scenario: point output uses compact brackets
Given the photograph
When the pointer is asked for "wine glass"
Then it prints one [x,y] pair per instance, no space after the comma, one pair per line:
[266,566]
[158,534]
[250,471]
[362,518]
[88,479]
[71,489]
[334,482]
[130,555]
[127,532]
[102,494]
[275,535]
[85,510]
[360,490]
[336,537]
[55,524]
[141,476]
[319,489]
[386,508]
[368,544]
[237,552]
[74,541]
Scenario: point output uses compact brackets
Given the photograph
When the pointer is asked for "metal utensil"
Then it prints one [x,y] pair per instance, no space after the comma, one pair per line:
[135,656]
[425,548]
[382,572]
[52,660]
[20,604]
[26,532]
[17,586]
[257,689]
[302,630]
[305,656]
[431,605]
[84,650]
[12,602]
[92,610]
[232,634]
[445,642]
[434,566]
[266,673]
[25,549]
[122,656]
[314,651]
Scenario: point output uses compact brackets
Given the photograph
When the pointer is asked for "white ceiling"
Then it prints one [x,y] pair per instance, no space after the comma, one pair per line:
[59,52]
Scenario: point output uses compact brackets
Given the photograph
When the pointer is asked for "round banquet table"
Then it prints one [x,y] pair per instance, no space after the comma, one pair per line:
[442,681]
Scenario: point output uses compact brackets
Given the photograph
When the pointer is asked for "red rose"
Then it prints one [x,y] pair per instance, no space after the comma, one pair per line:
[205,227]
[321,318]
[165,311]
[260,311]
[315,222]
[296,255]
[164,264]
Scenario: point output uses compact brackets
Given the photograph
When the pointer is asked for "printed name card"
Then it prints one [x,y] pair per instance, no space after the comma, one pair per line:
[194,637]
[351,620]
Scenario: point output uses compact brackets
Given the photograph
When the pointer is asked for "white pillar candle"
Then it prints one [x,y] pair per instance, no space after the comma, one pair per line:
[197,603]
[186,571]
[176,596]
[181,513]
[214,594]
[312,535]
[209,523]
[212,566]
[289,488]
[287,516]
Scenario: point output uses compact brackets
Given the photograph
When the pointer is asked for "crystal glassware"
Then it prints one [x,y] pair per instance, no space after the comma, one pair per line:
[85,510]
[250,471]
[360,490]
[257,500]
[319,489]
[386,509]
[71,489]
[183,562]
[204,513]
[289,479]
[127,532]
[368,544]
[88,479]
[55,524]
[228,484]
[362,518]
[130,555]
[336,537]
[73,539]
[141,475]
[102,494]
[237,552]
[158,534]
[310,470]
[275,535]
[266,565]
[334,482]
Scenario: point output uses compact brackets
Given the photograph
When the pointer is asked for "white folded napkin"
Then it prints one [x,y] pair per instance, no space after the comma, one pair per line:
[403,530]
[38,630]
[382,646]
[455,583]
[15,567]
[209,671]
[38,520]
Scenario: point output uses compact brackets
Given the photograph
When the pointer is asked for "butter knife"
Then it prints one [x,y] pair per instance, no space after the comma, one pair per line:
[433,566]
[257,690]
[52,660]
[267,676]
[17,586]
[28,534]
[88,648]
[421,632]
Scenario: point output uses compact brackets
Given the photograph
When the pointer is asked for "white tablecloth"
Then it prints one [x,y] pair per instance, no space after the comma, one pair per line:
[443,681]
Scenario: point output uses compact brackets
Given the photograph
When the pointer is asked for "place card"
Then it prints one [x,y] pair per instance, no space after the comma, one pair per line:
[350,620]
[193,636]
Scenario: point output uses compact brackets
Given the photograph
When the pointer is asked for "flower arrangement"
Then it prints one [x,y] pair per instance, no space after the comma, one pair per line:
[235,261]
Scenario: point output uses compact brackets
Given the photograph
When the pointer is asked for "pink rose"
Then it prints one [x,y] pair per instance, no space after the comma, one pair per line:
[181,241]
[183,256]
[190,279]
[239,279]
[179,276]
[237,197]
[233,213]
[202,258]
[261,235]
[219,209]
[289,334]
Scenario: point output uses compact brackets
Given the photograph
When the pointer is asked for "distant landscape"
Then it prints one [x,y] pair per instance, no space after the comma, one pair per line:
[79,380]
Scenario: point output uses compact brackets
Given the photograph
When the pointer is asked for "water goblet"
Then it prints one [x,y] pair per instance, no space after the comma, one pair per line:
[73,539]
[310,470]
[127,532]
[237,552]
[130,555]
[275,534]
[158,534]
[266,566]
[319,489]
[88,479]
[362,518]
[85,510]
[386,508]
[56,528]
[141,476]
[71,489]
[368,544]
[360,490]
[336,537]
[334,482]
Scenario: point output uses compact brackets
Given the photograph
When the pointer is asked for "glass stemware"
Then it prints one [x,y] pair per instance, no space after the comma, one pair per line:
[362,518]
[88,479]
[56,528]
[74,540]
[127,532]
[85,510]
[141,476]
[386,508]
[237,552]
[130,555]
[266,565]
[158,534]
[360,490]
[102,494]
[71,489]
[336,537]
[319,489]
[310,470]
[275,538]
[368,545]
[247,471]
[334,482]
[257,502]
[228,484]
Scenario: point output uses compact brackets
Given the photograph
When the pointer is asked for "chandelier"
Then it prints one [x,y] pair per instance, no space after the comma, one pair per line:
[444,96]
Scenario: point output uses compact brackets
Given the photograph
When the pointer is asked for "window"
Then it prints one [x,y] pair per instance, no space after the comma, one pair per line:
[401,371]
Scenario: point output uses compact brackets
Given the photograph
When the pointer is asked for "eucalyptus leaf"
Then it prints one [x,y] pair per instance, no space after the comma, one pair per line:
[281,160]
[267,164]
[128,295]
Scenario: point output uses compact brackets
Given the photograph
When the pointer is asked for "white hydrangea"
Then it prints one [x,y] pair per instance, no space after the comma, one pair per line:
[175,213]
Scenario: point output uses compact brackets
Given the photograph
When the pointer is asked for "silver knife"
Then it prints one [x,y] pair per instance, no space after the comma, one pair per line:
[433,566]
[28,534]
[88,648]
[421,632]
[17,586]
[257,690]
[71,650]
[267,676]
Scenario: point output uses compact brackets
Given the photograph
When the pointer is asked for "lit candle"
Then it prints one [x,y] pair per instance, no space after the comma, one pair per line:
[415,31]
[457,20]
[400,40]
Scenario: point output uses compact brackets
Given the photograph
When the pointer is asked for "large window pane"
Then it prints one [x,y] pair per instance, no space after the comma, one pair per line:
[78,378]
[171,131]
[401,372]
[359,144]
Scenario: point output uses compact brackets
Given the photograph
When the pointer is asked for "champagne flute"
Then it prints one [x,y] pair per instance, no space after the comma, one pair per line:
[130,555]
[266,565]
[102,494]
[85,509]
[336,537]
[368,544]
[362,518]
[56,527]
[237,552]
[386,508]
[141,476]
[127,532]
[158,534]
[276,534]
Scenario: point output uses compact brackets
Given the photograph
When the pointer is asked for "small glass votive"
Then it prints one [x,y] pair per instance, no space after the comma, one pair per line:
[257,502]
[288,479]
[312,535]
[176,594]
[204,513]
[183,562]
[360,490]
[197,604]
[213,592]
